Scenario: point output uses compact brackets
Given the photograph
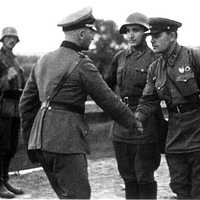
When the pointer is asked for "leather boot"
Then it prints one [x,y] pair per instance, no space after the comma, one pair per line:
[5,193]
[6,164]
[13,189]
[132,190]
[148,190]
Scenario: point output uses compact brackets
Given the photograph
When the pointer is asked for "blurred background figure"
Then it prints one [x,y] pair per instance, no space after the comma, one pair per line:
[11,85]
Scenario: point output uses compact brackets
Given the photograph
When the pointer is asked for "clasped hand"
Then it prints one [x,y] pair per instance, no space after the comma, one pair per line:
[139,125]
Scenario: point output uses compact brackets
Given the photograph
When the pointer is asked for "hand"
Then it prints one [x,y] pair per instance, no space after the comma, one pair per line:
[12,73]
[139,126]
[138,118]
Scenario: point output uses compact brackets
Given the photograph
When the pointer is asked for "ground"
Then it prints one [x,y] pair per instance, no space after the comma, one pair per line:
[104,179]
[103,174]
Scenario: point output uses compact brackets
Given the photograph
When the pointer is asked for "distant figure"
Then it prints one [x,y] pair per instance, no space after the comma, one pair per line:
[61,145]
[11,85]
[137,154]
[175,78]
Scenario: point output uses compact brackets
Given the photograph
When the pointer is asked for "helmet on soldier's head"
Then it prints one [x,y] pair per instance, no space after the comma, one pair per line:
[135,18]
[9,31]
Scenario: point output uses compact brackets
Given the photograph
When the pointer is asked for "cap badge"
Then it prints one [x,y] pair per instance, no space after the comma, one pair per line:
[187,68]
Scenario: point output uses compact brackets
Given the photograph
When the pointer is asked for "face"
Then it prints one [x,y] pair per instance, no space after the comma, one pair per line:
[161,42]
[135,35]
[9,42]
[87,36]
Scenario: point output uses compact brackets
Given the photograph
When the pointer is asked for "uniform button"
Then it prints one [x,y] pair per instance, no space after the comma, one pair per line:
[185,80]
[142,70]
[159,88]
[49,108]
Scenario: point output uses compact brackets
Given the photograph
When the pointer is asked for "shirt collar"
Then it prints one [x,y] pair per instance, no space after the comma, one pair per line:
[171,55]
[71,45]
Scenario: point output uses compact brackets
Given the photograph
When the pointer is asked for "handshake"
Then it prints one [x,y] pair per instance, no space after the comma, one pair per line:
[138,120]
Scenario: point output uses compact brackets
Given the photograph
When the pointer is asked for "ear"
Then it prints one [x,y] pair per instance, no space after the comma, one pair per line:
[82,33]
[173,36]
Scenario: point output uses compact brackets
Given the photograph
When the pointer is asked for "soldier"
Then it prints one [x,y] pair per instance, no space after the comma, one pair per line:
[137,155]
[11,85]
[174,77]
[63,148]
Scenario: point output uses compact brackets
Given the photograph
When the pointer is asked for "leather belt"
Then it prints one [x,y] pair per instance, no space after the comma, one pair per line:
[181,108]
[64,106]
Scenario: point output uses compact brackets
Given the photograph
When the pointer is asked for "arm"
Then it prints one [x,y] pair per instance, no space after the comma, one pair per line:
[97,88]
[28,106]
[149,101]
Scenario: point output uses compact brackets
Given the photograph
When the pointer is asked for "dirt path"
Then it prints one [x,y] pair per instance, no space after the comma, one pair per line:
[104,179]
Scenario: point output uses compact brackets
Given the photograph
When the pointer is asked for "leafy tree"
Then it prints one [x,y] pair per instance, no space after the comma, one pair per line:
[106,43]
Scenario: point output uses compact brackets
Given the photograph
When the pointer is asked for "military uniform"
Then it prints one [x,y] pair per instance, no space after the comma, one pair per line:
[63,151]
[137,154]
[10,91]
[172,78]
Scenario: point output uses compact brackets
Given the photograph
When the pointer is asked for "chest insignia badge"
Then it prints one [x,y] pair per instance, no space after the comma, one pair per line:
[181,70]
[187,68]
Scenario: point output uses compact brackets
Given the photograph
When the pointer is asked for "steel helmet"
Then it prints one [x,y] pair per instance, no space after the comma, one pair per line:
[135,18]
[9,31]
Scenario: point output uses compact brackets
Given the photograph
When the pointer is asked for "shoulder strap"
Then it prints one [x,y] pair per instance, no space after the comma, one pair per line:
[61,82]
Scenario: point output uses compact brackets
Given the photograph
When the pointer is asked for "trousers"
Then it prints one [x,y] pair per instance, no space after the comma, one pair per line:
[136,165]
[184,172]
[67,174]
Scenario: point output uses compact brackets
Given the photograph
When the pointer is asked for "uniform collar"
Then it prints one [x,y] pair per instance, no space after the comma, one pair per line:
[71,45]
[171,55]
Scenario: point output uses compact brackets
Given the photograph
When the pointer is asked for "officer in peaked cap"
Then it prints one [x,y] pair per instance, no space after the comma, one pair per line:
[158,25]
[174,78]
[80,19]
[64,144]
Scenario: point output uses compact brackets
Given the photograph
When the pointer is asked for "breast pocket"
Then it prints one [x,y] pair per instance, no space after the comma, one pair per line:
[187,84]
[140,76]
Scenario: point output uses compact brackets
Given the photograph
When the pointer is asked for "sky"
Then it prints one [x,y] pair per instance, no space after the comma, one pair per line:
[36,20]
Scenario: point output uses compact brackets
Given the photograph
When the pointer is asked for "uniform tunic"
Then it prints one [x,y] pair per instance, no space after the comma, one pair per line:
[172,78]
[84,80]
[127,76]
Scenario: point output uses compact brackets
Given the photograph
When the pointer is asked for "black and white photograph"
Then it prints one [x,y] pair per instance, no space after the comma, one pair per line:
[99,99]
